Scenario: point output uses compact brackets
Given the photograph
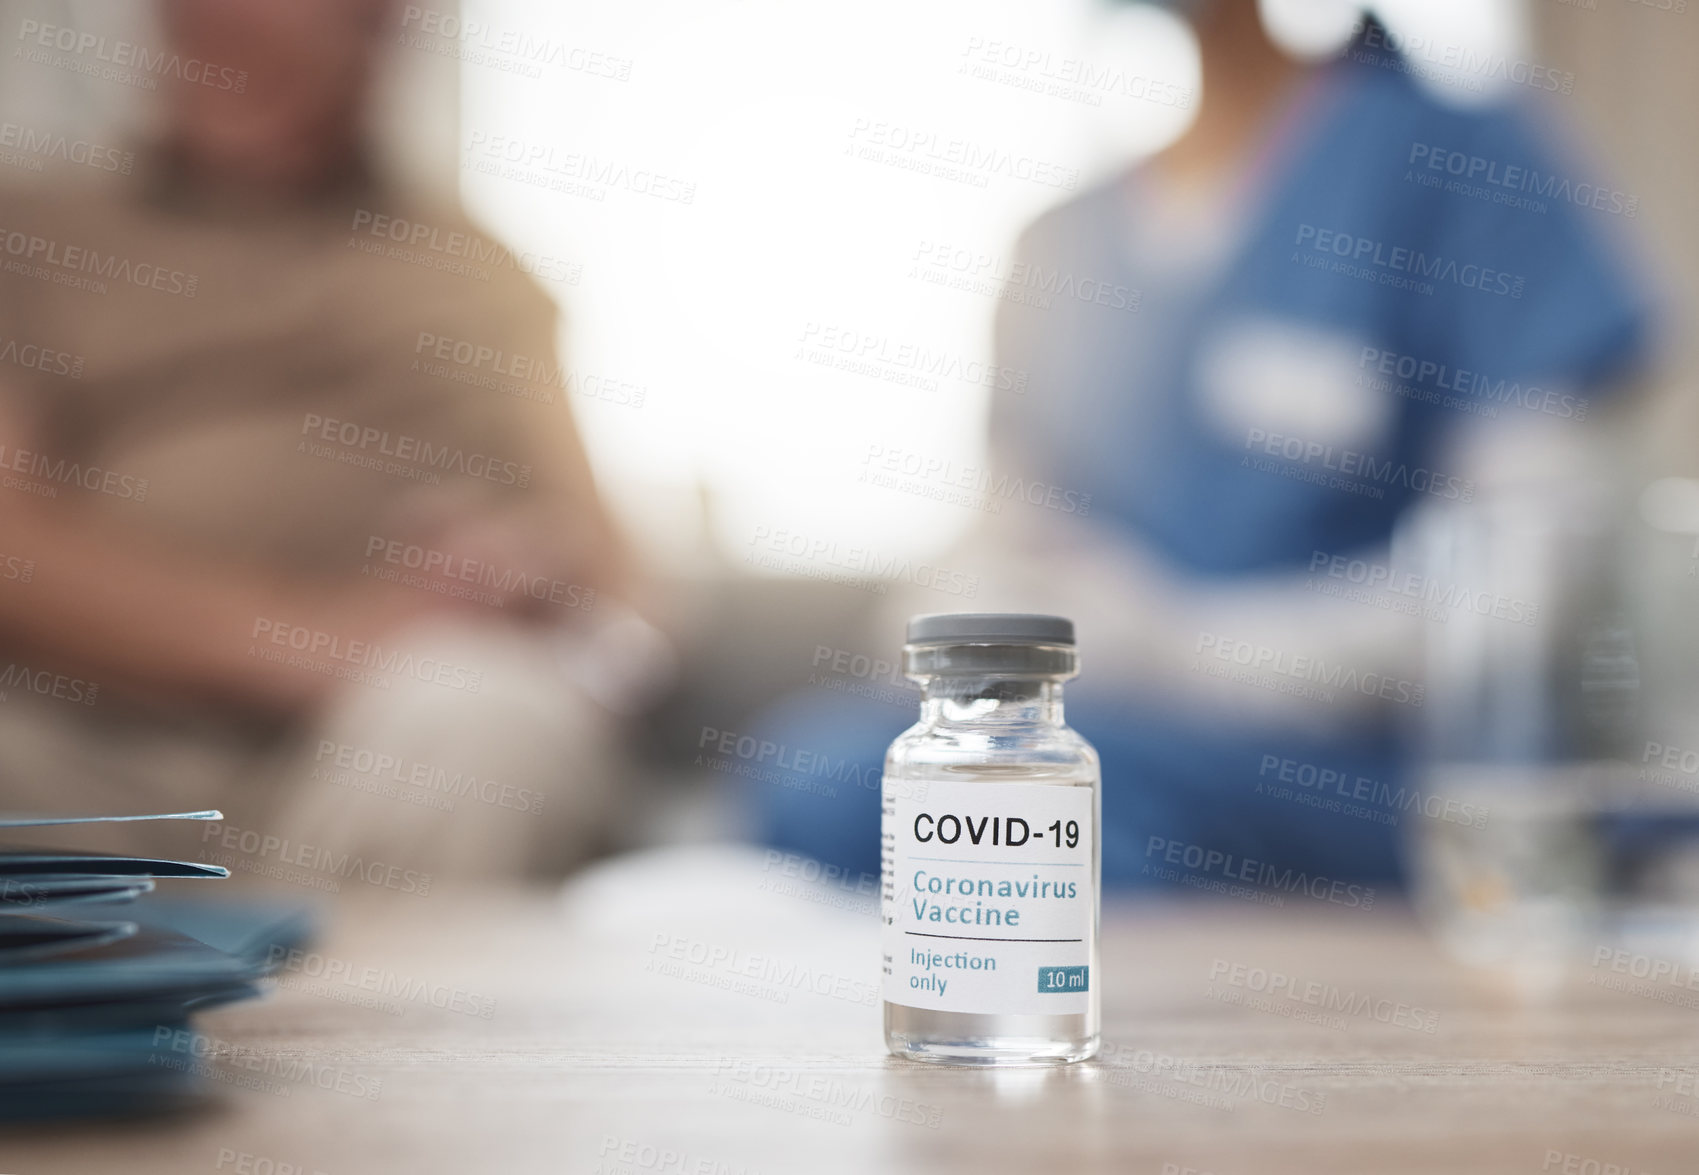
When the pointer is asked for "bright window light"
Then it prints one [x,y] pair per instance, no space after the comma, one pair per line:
[774,290]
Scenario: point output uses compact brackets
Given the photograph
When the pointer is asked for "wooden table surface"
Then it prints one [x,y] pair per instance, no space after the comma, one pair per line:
[701,1012]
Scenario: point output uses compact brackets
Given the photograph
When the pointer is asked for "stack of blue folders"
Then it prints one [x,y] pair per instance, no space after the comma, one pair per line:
[98,981]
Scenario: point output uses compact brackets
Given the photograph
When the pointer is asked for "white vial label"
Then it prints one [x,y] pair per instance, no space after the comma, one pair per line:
[989,897]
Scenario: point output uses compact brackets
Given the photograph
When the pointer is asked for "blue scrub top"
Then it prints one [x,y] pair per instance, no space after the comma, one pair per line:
[1432,237]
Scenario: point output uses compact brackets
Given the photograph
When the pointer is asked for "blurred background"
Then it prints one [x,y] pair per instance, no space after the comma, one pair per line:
[1327,366]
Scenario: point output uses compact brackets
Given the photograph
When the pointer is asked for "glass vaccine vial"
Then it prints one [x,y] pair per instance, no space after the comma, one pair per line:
[990,858]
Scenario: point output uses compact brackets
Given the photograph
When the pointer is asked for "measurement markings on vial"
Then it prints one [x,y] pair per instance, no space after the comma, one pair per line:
[1064,978]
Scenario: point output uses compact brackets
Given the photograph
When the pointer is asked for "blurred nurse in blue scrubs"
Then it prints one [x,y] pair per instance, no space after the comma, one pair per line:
[1355,297]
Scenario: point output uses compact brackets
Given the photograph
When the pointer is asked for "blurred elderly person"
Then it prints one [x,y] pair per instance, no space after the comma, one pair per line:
[297,520]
